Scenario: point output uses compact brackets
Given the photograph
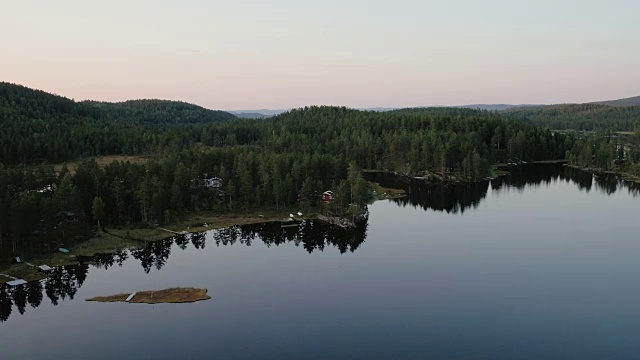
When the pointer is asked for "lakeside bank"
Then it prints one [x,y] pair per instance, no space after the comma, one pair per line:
[110,240]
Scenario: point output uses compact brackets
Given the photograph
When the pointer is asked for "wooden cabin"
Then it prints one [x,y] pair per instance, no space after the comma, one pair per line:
[328,196]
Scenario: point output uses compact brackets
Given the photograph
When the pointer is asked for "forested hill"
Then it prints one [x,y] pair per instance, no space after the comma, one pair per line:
[580,117]
[42,127]
[21,100]
[632,101]
[158,112]
[37,104]
[410,141]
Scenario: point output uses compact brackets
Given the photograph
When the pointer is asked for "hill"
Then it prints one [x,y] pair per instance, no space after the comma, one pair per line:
[159,112]
[44,127]
[38,104]
[29,102]
[631,101]
[592,116]
[496,107]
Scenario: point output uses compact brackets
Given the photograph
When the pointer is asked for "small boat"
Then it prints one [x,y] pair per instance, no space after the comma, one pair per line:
[63,250]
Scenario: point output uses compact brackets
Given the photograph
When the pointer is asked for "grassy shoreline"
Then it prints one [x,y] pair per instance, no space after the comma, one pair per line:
[123,238]
[116,239]
[383,193]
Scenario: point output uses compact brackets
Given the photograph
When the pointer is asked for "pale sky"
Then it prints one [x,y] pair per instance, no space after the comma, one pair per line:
[248,54]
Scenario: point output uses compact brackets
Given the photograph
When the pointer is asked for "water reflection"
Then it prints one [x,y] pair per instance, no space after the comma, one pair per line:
[311,235]
[535,175]
[154,254]
[106,261]
[64,282]
[458,197]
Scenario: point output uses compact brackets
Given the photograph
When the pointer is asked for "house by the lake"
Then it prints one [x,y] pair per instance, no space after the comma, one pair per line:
[328,196]
[212,183]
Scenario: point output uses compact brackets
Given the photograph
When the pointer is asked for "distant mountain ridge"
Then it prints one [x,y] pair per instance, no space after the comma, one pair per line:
[250,115]
[497,107]
[264,113]
[258,113]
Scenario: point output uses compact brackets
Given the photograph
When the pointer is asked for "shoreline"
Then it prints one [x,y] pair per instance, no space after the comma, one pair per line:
[597,171]
[117,239]
[497,170]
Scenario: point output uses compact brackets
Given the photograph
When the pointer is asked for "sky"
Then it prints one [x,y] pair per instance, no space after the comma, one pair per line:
[246,54]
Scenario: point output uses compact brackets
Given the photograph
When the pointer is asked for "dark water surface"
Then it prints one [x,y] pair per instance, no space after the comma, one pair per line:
[541,265]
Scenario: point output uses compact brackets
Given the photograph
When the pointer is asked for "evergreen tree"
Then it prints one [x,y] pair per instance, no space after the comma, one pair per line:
[98,208]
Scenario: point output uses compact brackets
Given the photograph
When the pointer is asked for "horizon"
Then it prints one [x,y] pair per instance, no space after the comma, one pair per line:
[286,54]
[280,110]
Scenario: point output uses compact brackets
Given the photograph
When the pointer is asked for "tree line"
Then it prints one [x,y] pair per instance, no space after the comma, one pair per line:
[606,151]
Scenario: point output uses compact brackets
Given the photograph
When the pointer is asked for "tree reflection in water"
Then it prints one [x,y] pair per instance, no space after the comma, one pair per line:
[107,260]
[458,197]
[154,254]
[64,282]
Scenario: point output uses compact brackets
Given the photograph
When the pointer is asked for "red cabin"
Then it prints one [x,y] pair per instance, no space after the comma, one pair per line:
[327,196]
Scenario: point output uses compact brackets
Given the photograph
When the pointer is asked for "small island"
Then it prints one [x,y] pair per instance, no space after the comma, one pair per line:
[168,296]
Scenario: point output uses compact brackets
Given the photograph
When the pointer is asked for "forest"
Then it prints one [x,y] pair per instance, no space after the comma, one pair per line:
[607,138]
[580,117]
[281,162]
[39,127]
[607,152]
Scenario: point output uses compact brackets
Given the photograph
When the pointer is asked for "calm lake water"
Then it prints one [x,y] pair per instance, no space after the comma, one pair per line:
[541,265]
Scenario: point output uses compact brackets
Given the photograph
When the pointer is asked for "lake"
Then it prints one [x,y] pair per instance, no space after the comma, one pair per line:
[539,265]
